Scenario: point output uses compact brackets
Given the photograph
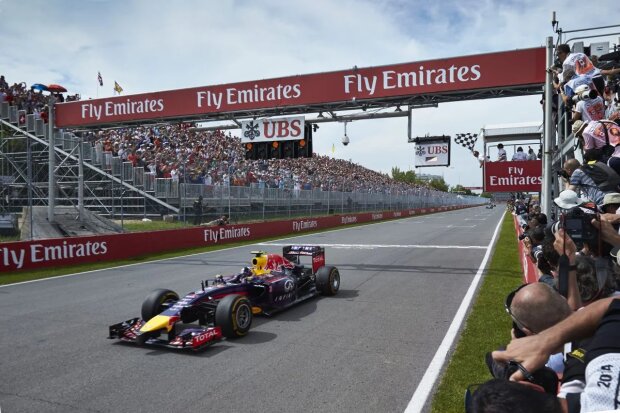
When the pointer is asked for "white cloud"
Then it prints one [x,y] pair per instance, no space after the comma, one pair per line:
[160,45]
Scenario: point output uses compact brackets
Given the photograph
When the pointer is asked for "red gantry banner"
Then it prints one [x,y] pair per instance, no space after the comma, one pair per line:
[515,176]
[484,71]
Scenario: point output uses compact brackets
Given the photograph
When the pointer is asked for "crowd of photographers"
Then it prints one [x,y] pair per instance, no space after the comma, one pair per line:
[565,351]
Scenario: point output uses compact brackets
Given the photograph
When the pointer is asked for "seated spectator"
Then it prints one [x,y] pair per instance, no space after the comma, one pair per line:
[519,155]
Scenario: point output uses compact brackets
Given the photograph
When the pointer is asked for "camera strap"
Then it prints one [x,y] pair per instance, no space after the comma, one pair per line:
[606,133]
[563,268]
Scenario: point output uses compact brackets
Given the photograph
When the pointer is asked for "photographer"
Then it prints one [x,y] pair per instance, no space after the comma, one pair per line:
[579,182]
[601,321]
[197,207]
[601,134]
[588,108]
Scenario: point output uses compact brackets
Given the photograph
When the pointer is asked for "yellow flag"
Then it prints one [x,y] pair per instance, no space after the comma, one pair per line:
[117,88]
[333,148]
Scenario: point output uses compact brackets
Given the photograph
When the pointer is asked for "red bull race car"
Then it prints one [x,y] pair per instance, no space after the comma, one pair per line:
[225,305]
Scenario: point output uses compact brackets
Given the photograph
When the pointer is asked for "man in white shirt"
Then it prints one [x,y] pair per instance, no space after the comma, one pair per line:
[589,110]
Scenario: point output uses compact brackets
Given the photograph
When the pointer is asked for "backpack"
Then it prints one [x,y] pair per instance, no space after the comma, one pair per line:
[603,176]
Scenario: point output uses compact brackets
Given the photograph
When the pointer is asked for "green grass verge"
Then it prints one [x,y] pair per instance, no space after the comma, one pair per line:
[487,326]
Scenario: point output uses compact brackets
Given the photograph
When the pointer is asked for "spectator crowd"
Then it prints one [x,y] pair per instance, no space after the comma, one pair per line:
[182,153]
[564,355]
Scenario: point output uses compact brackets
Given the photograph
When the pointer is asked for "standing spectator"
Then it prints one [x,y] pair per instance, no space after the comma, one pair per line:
[198,210]
[588,109]
[501,153]
[519,155]
[596,135]
[531,156]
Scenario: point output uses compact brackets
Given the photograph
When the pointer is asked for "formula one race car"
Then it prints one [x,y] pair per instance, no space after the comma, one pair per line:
[225,305]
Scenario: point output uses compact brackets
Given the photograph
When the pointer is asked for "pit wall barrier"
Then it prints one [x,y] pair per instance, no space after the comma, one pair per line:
[530,272]
[62,252]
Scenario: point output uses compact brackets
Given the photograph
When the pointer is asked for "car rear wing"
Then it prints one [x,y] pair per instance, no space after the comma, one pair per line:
[293,252]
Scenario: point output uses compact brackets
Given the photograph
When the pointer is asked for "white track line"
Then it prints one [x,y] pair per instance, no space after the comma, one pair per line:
[427,384]
[415,217]
[372,246]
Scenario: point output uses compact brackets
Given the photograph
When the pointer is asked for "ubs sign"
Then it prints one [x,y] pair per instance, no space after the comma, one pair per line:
[432,153]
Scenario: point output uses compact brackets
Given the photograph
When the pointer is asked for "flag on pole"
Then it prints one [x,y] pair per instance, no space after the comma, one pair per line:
[100,78]
[117,88]
[333,148]
[466,140]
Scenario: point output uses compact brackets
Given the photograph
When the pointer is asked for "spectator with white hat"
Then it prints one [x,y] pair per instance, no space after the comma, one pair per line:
[569,199]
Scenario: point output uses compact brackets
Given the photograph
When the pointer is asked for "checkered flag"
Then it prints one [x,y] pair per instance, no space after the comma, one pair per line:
[466,140]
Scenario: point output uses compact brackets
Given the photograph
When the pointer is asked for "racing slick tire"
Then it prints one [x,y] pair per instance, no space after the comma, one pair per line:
[328,280]
[154,303]
[234,316]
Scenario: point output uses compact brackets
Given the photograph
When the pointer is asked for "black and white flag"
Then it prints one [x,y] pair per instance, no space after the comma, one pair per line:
[467,140]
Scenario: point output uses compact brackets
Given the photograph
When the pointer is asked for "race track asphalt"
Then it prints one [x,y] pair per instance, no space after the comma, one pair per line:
[364,350]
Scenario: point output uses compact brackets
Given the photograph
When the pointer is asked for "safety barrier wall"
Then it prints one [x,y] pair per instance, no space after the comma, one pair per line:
[61,252]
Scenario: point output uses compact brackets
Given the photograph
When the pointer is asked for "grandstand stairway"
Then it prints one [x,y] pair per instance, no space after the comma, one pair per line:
[111,187]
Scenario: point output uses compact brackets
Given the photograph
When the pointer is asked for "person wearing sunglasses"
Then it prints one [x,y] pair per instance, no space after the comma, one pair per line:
[600,321]
[534,308]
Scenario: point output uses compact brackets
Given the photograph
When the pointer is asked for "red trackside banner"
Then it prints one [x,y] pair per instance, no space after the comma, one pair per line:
[515,176]
[62,252]
[484,71]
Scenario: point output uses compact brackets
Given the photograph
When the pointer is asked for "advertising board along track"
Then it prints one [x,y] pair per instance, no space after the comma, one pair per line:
[55,252]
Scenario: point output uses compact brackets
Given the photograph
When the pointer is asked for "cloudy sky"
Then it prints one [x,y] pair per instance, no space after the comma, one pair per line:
[160,45]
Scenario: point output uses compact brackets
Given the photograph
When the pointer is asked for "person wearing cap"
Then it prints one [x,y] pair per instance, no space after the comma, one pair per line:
[611,202]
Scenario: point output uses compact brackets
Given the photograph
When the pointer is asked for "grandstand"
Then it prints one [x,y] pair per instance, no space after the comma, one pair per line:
[161,170]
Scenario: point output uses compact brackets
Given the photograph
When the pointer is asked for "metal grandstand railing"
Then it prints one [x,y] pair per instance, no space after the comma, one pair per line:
[118,189]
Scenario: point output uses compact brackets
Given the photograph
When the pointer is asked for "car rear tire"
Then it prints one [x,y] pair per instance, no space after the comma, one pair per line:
[157,302]
[234,316]
[328,280]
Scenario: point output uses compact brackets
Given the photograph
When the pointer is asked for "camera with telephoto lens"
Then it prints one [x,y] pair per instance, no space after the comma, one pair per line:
[537,253]
[562,173]
[584,92]
[577,224]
